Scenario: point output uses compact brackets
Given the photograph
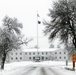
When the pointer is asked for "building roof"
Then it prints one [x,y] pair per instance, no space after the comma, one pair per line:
[40,50]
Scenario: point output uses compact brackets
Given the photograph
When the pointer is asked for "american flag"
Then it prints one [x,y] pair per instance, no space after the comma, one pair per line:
[38,15]
[39,22]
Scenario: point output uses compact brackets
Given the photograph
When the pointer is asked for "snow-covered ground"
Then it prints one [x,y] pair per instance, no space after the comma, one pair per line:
[37,68]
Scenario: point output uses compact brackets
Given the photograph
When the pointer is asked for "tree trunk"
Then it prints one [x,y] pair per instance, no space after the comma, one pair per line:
[3,61]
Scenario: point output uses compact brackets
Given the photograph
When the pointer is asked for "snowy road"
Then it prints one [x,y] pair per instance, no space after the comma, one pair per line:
[38,68]
[31,70]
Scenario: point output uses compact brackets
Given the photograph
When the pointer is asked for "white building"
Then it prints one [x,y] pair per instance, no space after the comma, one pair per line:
[41,55]
[60,55]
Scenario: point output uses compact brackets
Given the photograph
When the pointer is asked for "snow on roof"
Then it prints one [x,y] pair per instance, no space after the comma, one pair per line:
[40,50]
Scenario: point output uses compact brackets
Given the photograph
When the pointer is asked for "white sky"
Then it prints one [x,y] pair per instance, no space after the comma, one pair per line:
[25,11]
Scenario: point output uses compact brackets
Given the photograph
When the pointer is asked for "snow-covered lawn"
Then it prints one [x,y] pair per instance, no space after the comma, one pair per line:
[37,68]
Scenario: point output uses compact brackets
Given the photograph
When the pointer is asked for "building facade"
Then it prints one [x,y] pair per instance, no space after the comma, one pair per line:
[42,55]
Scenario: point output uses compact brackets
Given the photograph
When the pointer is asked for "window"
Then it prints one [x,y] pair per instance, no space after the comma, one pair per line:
[25,53]
[59,52]
[29,57]
[33,58]
[20,53]
[38,52]
[46,52]
[29,53]
[64,52]
[55,52]
[11,58]
[42,58]
[16,58]
[42,53]
[55,57]
[20,57]
[33,53]
[16,53]
[46,57]
[64,57]
[60,57]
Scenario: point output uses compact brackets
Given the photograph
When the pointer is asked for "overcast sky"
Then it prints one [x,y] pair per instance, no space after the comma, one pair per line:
[26,12]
